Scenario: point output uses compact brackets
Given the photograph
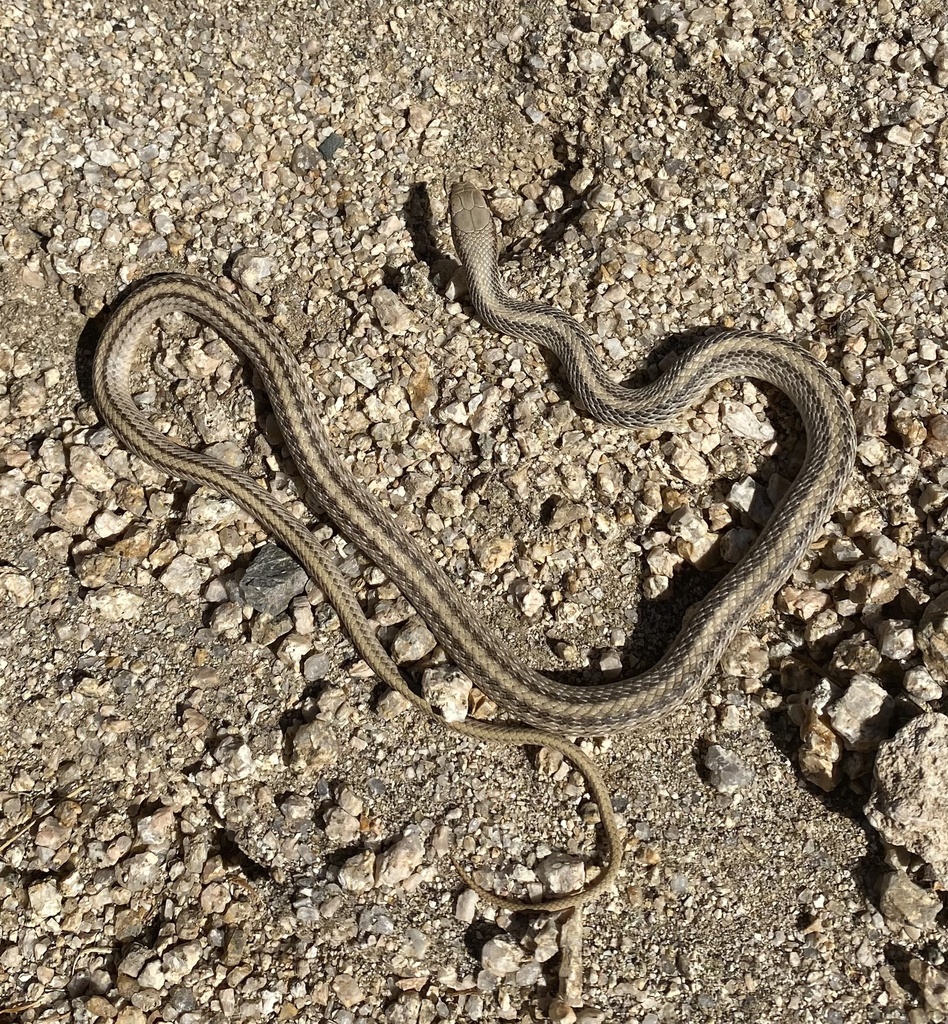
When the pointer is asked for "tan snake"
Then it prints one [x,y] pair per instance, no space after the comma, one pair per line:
[551,709]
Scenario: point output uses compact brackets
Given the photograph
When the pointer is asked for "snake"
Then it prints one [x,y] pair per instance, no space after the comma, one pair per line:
[540,710]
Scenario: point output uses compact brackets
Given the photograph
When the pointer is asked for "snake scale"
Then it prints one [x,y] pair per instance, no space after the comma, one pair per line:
[550,711]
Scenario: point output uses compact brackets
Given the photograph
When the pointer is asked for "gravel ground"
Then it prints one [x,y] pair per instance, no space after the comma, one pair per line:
[209,810]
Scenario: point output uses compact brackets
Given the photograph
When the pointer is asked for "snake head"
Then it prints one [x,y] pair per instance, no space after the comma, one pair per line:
[469,211]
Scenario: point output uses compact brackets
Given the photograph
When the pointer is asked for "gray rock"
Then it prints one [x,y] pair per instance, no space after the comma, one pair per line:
[904,904]
[571,973]
[156,829]
[501,956]
[183,576]
[399,861]
[329,145]
[466,906]
[448,690]
[153,245]
[933,638]
[348,990]
[253,271]
[115,604]
[561,873]
[861,716]
[235,756]
[341,826]
[932,983]
[358,872]
[45,899]
[918,683]
[272,580]
[749,497]
[394,316]
[413,642]
[909,801]
[821,749]
[89,469]
[896,639]
[727,772]
[304,159]
[314,746]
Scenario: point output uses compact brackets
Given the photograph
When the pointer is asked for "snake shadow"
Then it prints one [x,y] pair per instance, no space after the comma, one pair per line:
[84,356]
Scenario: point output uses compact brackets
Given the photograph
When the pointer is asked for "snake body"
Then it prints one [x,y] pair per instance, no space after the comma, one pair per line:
[551,710]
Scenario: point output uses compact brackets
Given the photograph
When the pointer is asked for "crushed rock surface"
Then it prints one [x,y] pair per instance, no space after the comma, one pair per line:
[209,810]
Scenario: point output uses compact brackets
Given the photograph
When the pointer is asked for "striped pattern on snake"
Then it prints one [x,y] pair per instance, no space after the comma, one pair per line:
[543,711]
